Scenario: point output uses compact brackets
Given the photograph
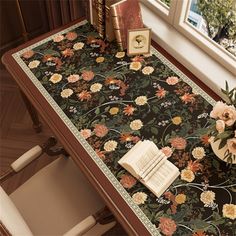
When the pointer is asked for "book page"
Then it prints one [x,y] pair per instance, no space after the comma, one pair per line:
[162,178]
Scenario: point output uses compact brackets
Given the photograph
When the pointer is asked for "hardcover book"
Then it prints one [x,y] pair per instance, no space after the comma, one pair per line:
[110,33]
[150,166]
[126,15]
[98,16]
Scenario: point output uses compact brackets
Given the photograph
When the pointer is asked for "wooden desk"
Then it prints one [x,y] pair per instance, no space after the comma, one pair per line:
[111,102]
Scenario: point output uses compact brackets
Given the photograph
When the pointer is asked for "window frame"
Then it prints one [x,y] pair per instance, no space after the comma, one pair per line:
[161,9]
[177,15]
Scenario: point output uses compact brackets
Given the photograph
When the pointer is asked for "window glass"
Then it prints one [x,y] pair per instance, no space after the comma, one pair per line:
[167,2]
[215,19]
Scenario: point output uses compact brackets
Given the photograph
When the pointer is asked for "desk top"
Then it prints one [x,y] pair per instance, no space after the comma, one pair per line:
[100,102]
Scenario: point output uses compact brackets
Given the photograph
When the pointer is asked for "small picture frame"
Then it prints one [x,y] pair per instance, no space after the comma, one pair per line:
[139,41]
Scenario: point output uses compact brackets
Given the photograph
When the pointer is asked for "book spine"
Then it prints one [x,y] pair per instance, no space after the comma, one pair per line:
[116,26]
[101,18]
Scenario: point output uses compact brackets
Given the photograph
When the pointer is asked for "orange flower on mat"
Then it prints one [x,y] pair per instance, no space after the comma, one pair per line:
[87,75]
[100,130]
[128,181]
[71,36]
[84,95]
[178,143]
[110,80]
[194,166]
[199,233]
[100,154]
[129,110]
[28,54]
[188,98]
[67,52]
[137,59]
[167,226]
[161,92]
[126,137]
[205,140]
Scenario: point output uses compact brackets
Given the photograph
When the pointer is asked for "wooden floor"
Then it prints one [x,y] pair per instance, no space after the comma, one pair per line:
[17,136]
[16,133]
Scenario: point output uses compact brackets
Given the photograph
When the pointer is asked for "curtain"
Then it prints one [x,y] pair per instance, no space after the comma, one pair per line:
[61,12]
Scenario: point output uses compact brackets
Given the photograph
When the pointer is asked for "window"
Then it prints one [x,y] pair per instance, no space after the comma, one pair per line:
[203,23]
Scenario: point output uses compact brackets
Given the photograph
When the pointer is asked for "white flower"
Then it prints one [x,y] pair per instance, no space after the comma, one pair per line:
[73,78]
[207,197]
[229,211]
[55,78]
[95,87]
[136,65]
[198,152]
[141,100]
[86,133]
[187,175]
[65,93]
[120,54]
[78,46]
[139,198]
[58,38]
[147,70]
[110,146]
[136,124]
[34,64]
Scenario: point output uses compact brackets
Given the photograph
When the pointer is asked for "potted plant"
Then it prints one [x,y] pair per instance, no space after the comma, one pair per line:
[223,127]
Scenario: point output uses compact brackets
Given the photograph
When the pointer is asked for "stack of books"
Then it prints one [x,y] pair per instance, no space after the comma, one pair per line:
[150,166]
[113,19]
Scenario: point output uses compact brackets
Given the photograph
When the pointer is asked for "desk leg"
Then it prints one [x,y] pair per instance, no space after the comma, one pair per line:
[33,114]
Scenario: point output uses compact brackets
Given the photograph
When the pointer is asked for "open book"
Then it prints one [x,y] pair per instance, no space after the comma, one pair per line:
[150,166]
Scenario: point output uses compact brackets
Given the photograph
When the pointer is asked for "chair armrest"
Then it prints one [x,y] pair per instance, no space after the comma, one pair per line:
[82,227]
[31,155]
[26,158]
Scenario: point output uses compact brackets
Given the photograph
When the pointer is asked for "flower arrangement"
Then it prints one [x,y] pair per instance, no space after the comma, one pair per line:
[223,127]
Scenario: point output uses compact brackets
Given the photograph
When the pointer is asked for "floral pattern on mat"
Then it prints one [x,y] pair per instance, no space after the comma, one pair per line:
[115,101]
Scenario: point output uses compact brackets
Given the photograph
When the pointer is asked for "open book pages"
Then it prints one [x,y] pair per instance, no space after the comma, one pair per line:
[150,166]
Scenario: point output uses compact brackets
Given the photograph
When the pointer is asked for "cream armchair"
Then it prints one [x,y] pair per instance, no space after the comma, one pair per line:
[57,200]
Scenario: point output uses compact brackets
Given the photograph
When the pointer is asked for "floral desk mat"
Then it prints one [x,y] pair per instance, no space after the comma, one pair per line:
[114,101]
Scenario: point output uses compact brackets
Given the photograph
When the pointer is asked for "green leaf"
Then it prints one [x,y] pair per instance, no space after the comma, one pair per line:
[224,135]
[216,164]
[97,111]
[155,109]
[222,143]
[154,130]
[52,52]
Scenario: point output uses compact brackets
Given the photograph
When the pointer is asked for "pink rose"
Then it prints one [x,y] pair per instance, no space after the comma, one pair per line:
[167,226]
[220,126]
[218,109]
[172,80]
[87,75]
[228,115]
[167,151]
[232,145]
[100,130]
[28,54]
[71,36]
[86,133]
[178,143]
[73,78]
[128,181]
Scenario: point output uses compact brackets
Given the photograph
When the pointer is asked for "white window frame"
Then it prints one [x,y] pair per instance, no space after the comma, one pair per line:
[160,8]
[176,15]
[203,41]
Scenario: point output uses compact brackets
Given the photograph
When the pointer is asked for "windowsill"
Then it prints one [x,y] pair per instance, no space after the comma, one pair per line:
[187,53]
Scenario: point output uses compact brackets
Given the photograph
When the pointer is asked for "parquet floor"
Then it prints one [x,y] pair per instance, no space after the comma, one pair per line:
[16,133]
[17,136]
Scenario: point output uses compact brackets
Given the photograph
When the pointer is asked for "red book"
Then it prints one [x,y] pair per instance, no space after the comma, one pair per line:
[126,15]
